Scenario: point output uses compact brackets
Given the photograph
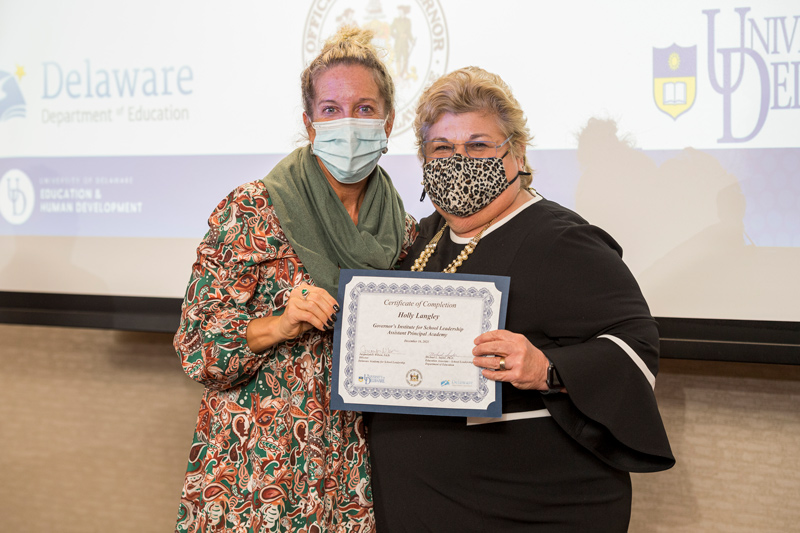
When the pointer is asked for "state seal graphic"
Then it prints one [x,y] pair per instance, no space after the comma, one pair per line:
[413,35]
[414,377]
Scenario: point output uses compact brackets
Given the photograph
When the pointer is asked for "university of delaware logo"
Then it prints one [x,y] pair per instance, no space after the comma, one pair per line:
[12,103]
[413,35]
[17,197]
[675,78]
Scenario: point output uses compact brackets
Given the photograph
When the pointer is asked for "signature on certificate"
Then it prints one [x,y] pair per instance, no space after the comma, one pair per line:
[441,355]
[377,352]
[449,358]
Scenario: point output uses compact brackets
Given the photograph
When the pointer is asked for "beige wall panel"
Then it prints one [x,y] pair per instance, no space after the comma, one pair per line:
[735,431]
[95,429]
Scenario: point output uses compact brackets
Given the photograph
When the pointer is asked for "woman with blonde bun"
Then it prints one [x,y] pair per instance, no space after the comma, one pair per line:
[256,325]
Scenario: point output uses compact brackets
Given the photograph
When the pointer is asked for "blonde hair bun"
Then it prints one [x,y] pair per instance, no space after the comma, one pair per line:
[350,45]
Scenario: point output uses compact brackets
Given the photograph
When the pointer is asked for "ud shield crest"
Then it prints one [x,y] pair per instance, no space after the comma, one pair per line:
[675,78]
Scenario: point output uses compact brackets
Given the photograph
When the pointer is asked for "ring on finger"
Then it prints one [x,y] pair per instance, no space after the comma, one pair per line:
[304,293]
[502,363]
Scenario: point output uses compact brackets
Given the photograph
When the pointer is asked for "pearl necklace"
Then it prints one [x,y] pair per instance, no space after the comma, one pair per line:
[422,260]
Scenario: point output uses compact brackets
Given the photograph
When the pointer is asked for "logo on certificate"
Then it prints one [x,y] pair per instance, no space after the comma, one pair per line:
[674,78]
[414,377]
[367,379]
[413,36]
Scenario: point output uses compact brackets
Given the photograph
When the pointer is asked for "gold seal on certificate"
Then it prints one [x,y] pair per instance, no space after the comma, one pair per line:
[404,342]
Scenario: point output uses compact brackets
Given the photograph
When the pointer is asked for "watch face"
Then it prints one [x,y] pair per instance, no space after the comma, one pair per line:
[553,379]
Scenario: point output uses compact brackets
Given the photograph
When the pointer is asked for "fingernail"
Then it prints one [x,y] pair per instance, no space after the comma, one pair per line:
[334,317]
[336,308]
[330,322]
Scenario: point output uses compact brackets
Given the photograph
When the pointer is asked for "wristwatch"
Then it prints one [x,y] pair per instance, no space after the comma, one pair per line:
[553,380]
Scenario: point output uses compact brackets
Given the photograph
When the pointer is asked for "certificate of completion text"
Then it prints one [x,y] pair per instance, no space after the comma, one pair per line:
[404,341]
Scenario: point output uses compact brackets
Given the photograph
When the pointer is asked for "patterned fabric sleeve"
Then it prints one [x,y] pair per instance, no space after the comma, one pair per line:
[412,230]
[219,302]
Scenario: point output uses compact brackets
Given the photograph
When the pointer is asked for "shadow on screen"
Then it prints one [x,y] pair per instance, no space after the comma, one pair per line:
[681,224]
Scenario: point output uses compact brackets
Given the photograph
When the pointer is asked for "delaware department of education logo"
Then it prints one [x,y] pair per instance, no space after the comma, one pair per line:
[412,33]
[17,197]
[675,78]
[12,103]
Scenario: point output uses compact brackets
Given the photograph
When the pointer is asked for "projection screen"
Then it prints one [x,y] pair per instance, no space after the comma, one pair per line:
[674,125]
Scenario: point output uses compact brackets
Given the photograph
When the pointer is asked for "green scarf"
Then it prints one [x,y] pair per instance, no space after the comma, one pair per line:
[320,230]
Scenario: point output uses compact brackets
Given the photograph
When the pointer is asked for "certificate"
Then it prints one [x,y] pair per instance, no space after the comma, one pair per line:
[404,341]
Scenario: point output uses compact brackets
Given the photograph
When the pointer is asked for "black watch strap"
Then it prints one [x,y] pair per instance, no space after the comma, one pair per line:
[553,379]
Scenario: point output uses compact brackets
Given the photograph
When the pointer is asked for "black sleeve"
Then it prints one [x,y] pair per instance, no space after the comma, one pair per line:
[605,349]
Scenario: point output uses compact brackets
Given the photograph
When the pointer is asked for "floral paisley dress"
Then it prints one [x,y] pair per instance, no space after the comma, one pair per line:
[268,455]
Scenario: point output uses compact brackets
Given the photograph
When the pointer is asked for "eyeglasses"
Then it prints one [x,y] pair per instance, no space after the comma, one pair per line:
[474,149]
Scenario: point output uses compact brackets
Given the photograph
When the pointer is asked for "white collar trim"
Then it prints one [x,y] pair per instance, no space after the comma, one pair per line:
[464,240]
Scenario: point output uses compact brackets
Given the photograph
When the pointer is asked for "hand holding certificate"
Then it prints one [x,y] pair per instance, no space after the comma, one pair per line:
[404,342]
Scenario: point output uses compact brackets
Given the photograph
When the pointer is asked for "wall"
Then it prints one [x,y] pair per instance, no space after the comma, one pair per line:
[95,427]
[735,431]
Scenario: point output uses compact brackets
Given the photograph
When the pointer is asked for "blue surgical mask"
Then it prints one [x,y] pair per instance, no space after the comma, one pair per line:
[350,147]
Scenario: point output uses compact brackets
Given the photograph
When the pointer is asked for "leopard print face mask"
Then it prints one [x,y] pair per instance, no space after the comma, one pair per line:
[462,186]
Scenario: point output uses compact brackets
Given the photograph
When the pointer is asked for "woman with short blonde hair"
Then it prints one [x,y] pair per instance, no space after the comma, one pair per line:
[474,89]
[577,359]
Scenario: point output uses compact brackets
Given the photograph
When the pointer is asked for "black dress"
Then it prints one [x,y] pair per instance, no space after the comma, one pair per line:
[565,465]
